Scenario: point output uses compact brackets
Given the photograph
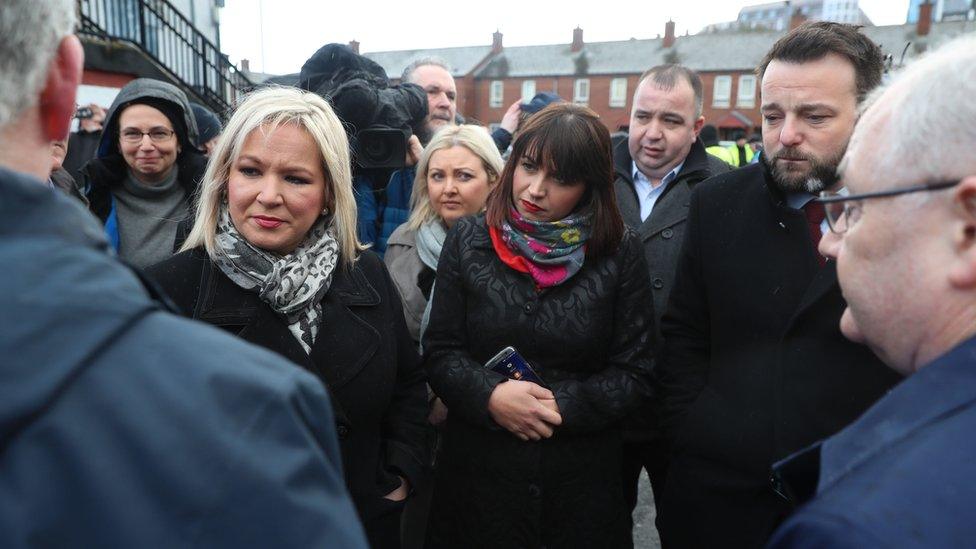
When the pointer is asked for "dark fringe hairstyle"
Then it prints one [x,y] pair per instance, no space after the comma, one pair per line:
[571,144]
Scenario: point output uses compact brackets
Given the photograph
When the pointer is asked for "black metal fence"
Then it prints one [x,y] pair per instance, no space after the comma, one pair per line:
[167,37]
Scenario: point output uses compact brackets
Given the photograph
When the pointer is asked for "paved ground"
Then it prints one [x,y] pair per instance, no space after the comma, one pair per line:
[645,534]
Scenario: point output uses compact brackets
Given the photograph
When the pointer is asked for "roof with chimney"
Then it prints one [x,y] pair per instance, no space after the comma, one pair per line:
[705,52]
[733,51]
[461,60]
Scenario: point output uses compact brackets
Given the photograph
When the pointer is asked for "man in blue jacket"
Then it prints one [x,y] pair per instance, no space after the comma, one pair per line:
[382,208]
[122,425]
[904,238]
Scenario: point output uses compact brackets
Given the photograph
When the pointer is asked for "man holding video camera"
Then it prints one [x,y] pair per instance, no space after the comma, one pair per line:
[391,204]
[386,125]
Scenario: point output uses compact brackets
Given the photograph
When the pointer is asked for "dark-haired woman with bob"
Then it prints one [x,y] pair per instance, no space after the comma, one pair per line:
[551,271]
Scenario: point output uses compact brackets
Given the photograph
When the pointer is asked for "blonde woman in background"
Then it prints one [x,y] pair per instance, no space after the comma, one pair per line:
[455,174]
[457,170]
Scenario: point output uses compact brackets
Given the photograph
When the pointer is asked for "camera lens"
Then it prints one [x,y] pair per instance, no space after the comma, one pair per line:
[376,149]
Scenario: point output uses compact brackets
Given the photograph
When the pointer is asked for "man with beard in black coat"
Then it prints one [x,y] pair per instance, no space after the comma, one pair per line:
[755,366]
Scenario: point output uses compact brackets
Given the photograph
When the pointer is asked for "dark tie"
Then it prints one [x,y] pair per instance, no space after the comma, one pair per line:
[814,211]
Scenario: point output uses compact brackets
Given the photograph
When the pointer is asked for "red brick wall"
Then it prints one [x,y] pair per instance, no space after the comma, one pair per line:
[563,86]
[477,108]
[106,79]
[714,114]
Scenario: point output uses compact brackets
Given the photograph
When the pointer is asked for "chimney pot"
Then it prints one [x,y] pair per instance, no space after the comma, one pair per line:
[797,19]
[924,24]
[669,34]
[577,40]
[496,42]
[354,46]
[245,65]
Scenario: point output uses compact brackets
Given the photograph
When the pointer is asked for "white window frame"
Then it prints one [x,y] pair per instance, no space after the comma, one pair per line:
[581,91]
[746,95]
[528,90]
[618,92]
[722,91]
[496,93]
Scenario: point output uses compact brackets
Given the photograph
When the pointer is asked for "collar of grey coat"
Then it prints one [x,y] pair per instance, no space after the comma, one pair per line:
[345,342]
[672,206]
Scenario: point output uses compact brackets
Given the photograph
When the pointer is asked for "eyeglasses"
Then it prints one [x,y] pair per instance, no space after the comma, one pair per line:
[158,135]
[843,211]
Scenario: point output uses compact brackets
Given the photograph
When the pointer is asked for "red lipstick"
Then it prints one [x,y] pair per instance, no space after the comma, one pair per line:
[530,207]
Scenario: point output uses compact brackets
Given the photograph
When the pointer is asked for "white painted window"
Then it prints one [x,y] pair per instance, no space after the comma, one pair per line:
[528,90]
[618,92]
[496,93]
[581,91]
[747,92]
[722,91]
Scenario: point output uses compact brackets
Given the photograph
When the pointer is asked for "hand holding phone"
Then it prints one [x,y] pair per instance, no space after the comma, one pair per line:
[525,409]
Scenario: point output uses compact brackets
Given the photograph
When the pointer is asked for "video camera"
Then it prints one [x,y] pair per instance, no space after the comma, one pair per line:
[379,118]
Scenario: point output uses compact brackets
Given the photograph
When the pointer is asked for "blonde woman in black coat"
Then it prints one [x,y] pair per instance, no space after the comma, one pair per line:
[273,258]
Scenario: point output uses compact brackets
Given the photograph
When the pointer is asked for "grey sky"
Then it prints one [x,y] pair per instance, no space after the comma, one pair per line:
[294,29]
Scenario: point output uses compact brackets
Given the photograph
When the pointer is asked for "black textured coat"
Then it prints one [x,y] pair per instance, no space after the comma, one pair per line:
[754,365]
[363,354]
[591,339]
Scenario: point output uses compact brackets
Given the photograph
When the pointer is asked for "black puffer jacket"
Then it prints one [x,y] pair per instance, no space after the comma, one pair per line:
[591,340]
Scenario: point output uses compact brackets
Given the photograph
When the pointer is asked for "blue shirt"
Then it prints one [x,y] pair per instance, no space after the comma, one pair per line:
[647,194]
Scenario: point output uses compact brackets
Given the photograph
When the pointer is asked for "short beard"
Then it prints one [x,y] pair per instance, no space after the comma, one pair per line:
[822,174]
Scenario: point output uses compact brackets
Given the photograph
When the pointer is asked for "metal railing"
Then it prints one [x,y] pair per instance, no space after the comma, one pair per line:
[168,38]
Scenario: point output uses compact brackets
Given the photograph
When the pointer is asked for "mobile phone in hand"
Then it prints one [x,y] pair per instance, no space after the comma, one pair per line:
[509,363]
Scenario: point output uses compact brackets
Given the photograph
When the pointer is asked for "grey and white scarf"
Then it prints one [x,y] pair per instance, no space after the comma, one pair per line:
[294,284]
[430,241]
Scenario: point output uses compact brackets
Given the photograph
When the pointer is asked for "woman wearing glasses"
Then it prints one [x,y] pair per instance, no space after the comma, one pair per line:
[146,170]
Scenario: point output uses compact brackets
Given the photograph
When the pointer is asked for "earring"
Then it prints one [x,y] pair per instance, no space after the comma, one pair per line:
[325,211]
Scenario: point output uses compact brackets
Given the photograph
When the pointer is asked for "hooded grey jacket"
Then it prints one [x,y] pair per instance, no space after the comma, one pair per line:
[106,172]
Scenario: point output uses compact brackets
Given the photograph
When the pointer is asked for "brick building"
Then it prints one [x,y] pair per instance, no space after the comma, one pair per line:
[603,75]
[176,41]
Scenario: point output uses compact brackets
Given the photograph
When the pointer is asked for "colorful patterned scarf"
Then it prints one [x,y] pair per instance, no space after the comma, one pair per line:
[550,251]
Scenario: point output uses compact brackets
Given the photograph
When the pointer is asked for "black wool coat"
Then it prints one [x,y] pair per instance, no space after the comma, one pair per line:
[363,354]
[590,339]
[754,365]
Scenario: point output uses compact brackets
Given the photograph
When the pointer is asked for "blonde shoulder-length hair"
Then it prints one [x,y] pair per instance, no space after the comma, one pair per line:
[264,110]
[475,139]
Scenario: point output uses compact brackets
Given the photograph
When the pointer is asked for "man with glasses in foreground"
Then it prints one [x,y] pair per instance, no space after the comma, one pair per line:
[904,238]
[754,366]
